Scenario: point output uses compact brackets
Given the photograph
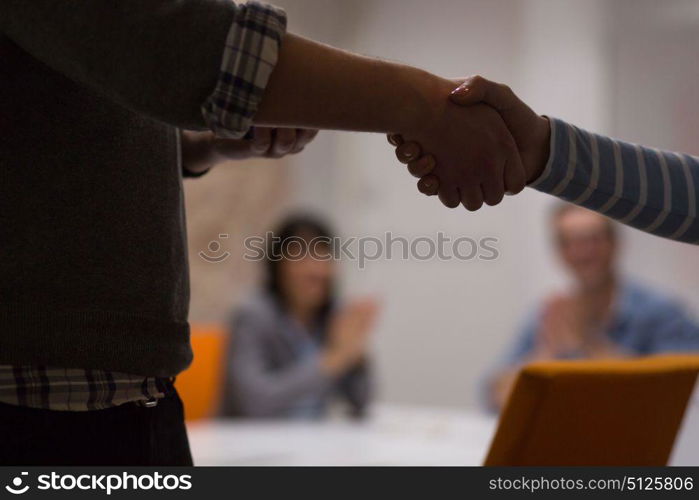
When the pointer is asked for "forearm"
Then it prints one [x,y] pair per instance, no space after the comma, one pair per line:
[318,86]
[164,61]
[654,191]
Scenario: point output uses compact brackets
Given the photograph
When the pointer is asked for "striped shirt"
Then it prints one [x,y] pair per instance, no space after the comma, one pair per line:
[249,56]
[652,190]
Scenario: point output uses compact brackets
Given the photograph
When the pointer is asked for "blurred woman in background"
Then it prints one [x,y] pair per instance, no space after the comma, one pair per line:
[291,349]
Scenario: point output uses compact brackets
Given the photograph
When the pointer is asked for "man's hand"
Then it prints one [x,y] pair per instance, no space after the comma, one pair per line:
[570,328]
[530,131]
[475,157]
[562,332]
[202,150]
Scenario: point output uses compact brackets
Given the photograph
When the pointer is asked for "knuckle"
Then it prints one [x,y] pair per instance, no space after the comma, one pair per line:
[505,88]
[477,79]
[428,185]
[406,152]
[416,170]
[449,198]
[261,145]
[517,186]
[491,201]
[395,139]
[263,134]
[424,165]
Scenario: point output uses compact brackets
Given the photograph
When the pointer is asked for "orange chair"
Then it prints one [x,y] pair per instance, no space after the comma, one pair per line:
[201,384]
[609,412]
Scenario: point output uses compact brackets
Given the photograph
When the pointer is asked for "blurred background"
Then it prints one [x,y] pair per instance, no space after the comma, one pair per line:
[626,68]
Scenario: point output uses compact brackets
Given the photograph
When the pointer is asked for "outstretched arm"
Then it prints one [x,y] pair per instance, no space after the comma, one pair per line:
[652,190]
[317,86]
[212,64]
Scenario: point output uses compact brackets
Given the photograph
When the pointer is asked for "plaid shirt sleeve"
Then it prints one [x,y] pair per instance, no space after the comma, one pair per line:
[250,54]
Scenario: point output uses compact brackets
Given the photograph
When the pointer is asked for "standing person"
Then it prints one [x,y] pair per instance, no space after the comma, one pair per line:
[603,314]
[94,99]
[293,349]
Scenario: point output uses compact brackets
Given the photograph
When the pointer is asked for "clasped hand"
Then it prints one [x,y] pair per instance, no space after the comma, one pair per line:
[203,150]
[471,156]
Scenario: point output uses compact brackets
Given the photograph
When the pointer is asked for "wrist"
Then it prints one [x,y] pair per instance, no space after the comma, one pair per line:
[430,97]
[542,137]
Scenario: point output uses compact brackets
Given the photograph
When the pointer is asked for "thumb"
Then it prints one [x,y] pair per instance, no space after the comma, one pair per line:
[477,89]
[467,94]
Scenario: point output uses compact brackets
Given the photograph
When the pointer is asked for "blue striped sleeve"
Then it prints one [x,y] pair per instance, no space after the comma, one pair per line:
[651,190]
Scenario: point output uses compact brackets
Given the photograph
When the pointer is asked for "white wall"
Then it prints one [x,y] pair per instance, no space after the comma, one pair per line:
[445,322]
[656,102]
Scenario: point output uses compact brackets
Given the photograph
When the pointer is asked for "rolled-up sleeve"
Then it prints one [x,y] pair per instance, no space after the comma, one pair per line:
[250,55]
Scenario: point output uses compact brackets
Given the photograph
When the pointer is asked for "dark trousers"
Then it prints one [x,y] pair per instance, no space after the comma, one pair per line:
[129,434]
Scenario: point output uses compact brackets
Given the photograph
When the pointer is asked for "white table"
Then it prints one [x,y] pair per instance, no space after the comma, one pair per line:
[393,435]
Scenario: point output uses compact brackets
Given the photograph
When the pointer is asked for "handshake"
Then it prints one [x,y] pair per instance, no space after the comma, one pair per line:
[477,155]
[478,143]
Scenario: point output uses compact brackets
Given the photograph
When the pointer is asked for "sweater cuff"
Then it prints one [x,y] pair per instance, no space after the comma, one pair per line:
[556,167]
[250,55]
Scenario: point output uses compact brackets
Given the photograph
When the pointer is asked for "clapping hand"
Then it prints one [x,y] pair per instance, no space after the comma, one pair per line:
[349,335]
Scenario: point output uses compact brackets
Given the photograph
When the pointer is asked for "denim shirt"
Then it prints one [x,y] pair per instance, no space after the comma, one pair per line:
[643,322]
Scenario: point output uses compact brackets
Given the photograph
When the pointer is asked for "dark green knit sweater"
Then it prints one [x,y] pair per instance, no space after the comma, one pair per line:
[93,261]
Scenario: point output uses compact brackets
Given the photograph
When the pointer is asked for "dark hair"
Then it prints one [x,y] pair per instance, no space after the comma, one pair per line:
[299,228]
